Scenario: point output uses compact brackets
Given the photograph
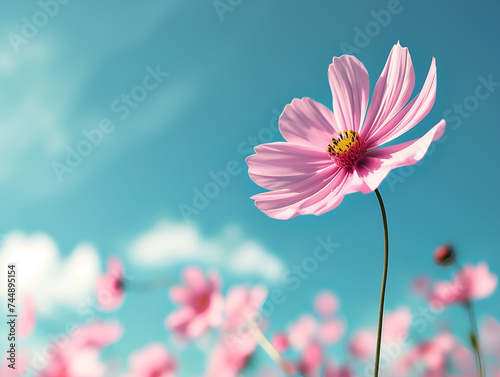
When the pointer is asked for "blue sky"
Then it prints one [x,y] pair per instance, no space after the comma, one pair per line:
[224,78]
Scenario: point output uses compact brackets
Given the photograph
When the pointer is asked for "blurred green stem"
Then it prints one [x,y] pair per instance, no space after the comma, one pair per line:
[473,336]
[384,283]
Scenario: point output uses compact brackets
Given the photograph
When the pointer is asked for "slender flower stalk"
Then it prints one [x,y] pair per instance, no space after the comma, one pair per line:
[473,332]
[473,336]
[267,346]
[384,283]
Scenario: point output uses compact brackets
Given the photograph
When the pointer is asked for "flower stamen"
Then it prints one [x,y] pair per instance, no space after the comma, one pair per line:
[347,149]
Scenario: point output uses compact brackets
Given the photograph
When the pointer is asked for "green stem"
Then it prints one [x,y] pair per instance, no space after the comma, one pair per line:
[384,283]
[473,337]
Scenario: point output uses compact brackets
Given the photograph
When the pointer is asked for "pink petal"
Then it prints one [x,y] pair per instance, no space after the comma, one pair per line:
[377,163]
[410,115]
[392,92]
[280,342]
[311,360]
[180,294]
[331,331]
[326,304]
[197,326]
[363,343]
[195,279]
[302,332]
[307,122]
[179,320]
[115,266]
[318,199]
[480,282]
[280,165]
[214,314]
[350,87]
[446,293]
[396,325]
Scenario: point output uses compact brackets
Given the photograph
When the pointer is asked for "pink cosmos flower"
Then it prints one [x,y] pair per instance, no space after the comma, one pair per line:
[201,304]
[78,355]
[329,155]
[471,283]
[110,290]
[152,361]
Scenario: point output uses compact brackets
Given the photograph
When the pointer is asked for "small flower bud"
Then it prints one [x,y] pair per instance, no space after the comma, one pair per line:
[280,342]
[444,255]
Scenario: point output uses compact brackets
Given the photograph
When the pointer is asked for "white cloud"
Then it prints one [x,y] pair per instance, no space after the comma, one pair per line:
[43,274]
[252,258]
[169,243]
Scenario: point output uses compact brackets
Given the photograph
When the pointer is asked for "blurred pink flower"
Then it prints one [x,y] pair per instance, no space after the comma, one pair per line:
[331,331]
[395,329]
[362,344]
[303,331]
[471,283]
[462,358]
[396,325]
[490,336]
[307,330]
[280,342]
[243,304]
[152,361]
[311,360]
[421,286]
[110,291]
[226,361]
[201,303]
[326,304]
[329,155]
[27,318]
[432,354]
[78,355]
[333,370]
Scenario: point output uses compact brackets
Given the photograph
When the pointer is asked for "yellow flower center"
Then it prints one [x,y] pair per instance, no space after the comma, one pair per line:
[347,149]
